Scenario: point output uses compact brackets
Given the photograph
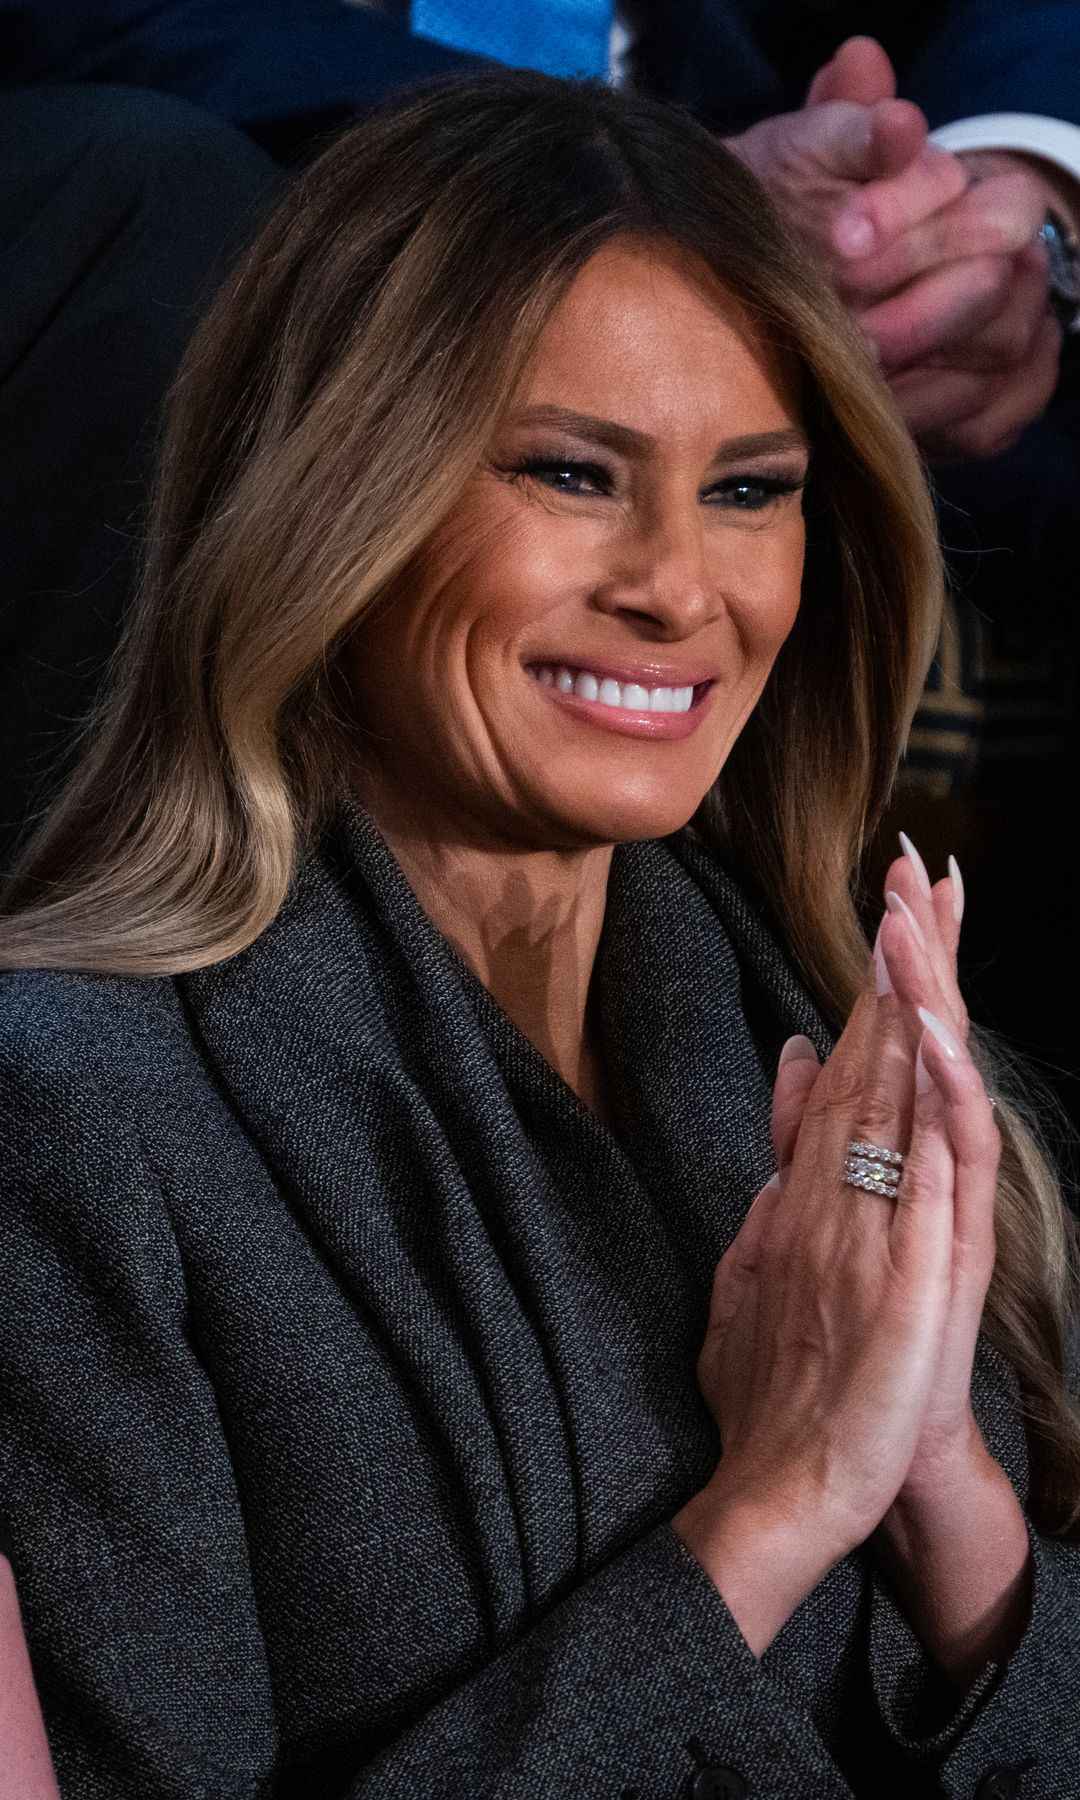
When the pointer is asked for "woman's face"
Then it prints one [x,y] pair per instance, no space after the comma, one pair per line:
[573,653]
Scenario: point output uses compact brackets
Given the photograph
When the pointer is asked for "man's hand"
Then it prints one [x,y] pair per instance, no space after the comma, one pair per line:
[853,138]
[957,307]
[934,254]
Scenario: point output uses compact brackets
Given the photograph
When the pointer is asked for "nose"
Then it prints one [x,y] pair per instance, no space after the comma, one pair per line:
[660,578]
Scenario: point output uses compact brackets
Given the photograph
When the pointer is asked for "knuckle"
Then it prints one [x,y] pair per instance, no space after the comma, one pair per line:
[876,1120]
[842,1092]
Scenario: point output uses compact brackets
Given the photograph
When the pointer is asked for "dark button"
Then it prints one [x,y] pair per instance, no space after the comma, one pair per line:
[714,1781]
[999,1784]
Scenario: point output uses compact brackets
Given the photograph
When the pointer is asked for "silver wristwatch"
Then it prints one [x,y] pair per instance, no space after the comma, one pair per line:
[1063,269]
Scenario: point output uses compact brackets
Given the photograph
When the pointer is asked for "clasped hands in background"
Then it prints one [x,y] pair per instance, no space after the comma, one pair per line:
[936,255]
[843,1325]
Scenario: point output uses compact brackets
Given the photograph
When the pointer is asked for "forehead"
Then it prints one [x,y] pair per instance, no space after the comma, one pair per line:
[649,328]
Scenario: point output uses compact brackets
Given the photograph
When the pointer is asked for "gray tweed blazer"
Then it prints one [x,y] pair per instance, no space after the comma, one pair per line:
[348,1386]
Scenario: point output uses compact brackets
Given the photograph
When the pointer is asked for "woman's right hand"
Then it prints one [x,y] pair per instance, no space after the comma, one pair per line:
[827,1317]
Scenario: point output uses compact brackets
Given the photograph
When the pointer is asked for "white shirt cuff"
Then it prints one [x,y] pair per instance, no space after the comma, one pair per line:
[1055,140]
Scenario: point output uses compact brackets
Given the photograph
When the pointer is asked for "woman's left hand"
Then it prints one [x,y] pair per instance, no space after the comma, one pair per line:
[916,960]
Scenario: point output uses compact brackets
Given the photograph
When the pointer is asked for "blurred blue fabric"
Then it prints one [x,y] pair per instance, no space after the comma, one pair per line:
[561,37]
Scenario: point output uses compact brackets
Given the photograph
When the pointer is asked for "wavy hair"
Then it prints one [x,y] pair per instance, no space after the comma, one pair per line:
[337,398]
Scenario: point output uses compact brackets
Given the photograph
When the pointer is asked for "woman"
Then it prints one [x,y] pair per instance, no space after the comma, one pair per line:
[541,584]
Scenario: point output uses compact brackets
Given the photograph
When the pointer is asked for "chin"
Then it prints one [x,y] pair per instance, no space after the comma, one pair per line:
[620,818]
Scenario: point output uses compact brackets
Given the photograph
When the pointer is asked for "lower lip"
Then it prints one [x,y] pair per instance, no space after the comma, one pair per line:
[633,724]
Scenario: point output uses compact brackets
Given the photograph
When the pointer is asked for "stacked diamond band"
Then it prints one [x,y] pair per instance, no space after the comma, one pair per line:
[873,1169]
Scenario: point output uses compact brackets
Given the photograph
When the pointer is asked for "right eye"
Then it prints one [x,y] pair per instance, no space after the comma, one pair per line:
[566,477]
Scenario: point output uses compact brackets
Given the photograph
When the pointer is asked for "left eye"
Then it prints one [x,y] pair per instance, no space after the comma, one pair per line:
[750,493]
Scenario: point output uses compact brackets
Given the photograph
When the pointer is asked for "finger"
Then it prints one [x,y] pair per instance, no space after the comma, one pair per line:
[921,963]
[737,1266]
[976,1147]
[937,310]
[914,980]
[999,217]
[860,71]
[795,1077]
[938,905]
[894,199]
[1012,405]
[862,1096]
[935,400]
[844,144]
[921,1230]
[1009,337]
[1002,346]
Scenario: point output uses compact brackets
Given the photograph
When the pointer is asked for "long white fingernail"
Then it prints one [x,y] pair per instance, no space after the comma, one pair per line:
[881,974]
[917,864]
[924,1081]
[942,1033]
[797,1049]
[897,905]
[957,889]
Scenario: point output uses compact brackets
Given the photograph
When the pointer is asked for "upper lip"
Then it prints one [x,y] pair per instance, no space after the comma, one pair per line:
[651,674]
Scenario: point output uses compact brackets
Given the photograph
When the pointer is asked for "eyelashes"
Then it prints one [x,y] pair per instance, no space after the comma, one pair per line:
[568,475]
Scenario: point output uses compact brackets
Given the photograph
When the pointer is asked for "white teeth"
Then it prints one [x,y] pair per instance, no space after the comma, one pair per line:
[631,698]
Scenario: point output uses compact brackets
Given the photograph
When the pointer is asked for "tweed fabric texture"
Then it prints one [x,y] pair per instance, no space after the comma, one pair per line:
[348,1380]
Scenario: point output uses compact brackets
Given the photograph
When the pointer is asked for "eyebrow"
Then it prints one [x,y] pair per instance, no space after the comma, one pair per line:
[628,442]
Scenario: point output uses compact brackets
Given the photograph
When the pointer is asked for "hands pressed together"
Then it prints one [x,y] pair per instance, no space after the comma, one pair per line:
[934,254]
[842,1330]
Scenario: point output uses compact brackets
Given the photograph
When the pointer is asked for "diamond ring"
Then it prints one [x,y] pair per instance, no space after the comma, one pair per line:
[874,1169]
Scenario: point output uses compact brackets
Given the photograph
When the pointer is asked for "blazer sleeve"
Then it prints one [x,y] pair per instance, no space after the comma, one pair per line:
[120,1513]
[994,56]
[1018,1717]
[118,1507]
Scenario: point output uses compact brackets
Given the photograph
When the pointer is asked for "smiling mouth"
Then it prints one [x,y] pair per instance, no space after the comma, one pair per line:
[620,696]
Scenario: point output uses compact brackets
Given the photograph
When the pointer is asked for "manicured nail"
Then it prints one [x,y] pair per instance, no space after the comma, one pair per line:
[924,1081]
[897,905]
[917,864]
[957,889]
[797,1049]
[881,973]
[942,1033]
[853,235]
[773,1182]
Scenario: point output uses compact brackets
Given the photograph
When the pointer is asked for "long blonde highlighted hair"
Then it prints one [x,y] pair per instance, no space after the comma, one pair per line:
[337,398]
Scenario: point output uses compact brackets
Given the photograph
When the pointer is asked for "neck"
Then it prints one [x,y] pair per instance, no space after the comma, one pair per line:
[527,922]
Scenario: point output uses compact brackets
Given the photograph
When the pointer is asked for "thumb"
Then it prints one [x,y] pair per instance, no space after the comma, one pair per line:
[859,71]
[858,144]
[796,1074]
[737,1266]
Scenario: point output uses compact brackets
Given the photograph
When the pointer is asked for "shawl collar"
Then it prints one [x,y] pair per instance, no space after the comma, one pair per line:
[535,1279]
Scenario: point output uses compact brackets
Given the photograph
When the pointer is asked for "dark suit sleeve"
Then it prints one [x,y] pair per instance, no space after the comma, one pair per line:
[1020,1716]
[122,1520]
[282,70]
[996,56]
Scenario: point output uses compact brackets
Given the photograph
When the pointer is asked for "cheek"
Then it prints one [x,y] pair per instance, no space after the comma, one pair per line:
[769,595]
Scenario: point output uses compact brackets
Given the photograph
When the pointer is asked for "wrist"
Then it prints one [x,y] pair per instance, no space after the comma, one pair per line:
[1061,191]
[763,1555]
[957,1556]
